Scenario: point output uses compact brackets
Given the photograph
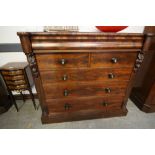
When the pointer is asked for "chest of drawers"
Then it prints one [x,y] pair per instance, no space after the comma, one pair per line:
[82,75]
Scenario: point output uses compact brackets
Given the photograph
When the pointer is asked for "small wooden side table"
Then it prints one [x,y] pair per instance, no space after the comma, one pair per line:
[17,77]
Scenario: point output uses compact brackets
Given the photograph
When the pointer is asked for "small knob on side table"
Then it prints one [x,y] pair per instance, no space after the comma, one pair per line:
[114,60]
[107,90]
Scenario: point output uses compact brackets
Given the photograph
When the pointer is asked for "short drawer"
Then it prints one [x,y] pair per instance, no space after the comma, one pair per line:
[84,75]
[16,82]
[17,77]
[18,87]
[63,60]
[113,59]
[77,89]
[69,105]
[15,72]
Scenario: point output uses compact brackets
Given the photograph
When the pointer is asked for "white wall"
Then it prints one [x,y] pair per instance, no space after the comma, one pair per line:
[8,34]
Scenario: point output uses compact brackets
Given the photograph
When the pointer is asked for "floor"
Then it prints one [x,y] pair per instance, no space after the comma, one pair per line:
[28,118]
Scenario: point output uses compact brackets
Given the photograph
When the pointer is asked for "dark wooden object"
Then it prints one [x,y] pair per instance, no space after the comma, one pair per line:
[143,92]
[5,100]
[83,75]
[17,77]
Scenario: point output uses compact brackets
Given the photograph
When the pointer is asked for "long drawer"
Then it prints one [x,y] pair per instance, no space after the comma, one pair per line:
[114,59]
[63,60]
[98,74]
[70,105]
[77,89]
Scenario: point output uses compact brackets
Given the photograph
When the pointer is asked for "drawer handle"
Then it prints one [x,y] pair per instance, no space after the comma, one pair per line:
[111,75]
[67,106]
[63,61]
[105,104]
[107,90]
[66,92]
[64,77]
[114,60]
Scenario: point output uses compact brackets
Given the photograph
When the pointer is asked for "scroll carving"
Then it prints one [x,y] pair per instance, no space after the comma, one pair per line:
[139,61]
[32,62]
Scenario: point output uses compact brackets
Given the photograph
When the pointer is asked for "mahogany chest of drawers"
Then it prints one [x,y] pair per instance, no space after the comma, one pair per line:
[83,75]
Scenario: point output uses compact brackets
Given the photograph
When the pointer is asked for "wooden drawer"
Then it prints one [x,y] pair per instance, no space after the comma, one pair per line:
[17,77]
[70,105]
[113,59]
[63,60]
[15,72]
[77,89]
[98,74]
[18,87]
[16,82]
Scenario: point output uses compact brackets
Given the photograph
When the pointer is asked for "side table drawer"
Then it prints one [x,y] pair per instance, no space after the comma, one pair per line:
[15,72]
[16,82]
[17,77]
[17,87]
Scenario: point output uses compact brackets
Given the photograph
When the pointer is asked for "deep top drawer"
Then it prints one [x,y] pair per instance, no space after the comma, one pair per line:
[63,60]
[113,59]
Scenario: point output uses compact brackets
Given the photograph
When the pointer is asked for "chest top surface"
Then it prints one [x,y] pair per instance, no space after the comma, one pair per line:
[80,41]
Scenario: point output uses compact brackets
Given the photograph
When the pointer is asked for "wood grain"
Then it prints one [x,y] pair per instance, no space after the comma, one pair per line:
[48,61]
[82,75]
[87,63]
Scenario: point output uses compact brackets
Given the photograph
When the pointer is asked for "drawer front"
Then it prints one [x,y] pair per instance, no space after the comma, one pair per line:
[16,82]
[17,77]
[70,105]
[19,87]
[113,60]
[88,89]
[15,72]
[64,60]
[99,74]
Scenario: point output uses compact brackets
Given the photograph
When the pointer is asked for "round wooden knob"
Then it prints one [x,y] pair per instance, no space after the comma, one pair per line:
[64,77]
[111,75]
[67,106]
[63,61]
[66,93]
[107,90]
[114,60]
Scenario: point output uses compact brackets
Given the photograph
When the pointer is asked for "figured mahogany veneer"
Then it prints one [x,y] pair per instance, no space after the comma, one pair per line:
[88,74]
[83,75]
[77,89]
[64,60]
